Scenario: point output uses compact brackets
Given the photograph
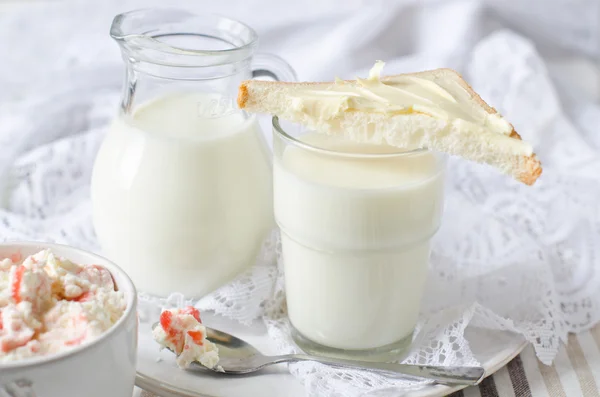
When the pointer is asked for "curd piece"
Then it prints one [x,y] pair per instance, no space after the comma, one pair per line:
[182,332]
[50,305]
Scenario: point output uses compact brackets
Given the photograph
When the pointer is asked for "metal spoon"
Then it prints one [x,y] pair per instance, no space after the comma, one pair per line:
[238,357]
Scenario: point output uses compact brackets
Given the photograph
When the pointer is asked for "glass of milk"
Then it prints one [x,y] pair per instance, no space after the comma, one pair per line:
[356,226]
[182,184]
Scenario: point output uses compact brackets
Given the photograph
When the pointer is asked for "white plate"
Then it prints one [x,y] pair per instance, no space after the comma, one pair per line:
[158,373]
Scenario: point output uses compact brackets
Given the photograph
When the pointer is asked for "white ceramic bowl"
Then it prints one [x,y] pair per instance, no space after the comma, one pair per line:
[104,367]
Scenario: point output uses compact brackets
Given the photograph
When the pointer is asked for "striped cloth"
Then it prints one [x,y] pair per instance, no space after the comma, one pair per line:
[576,372]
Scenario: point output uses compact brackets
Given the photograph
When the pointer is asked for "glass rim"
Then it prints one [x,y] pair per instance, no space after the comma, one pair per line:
[135,39]
[293,140]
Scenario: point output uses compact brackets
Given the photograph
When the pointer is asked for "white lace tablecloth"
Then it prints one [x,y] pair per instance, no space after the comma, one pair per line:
[523,259]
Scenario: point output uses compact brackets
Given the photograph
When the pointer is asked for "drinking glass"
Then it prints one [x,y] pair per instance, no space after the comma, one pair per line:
[356,226]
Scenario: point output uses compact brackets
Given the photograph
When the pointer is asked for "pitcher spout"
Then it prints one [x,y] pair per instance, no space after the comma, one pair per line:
[172,37]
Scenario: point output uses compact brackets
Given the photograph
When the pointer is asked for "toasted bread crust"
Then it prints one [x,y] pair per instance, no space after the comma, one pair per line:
[529,166]
[532,170]
[243,95]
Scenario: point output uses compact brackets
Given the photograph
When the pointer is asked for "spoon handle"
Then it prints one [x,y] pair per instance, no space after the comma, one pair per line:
[441,374]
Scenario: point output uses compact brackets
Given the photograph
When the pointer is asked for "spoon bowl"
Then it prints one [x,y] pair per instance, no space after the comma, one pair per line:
[237,357]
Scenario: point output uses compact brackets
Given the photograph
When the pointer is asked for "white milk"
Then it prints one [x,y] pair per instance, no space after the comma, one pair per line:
[182,202]
[355,235]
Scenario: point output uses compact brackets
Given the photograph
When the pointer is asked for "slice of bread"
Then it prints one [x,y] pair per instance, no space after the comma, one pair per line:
[486,138]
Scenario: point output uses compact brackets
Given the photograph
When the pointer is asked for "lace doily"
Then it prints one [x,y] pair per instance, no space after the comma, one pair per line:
[508,257]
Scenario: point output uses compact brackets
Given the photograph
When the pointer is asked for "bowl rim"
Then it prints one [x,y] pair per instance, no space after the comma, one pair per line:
[130,309]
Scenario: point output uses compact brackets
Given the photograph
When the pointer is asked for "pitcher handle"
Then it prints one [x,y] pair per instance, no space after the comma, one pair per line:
[272,66]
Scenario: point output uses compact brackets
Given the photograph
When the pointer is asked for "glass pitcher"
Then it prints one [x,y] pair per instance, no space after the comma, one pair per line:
[181,186]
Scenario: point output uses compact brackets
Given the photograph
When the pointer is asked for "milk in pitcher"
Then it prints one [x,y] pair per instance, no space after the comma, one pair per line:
[182,193]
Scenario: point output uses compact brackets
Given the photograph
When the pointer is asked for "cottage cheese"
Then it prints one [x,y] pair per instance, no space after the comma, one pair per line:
[182,332]
[50,305]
